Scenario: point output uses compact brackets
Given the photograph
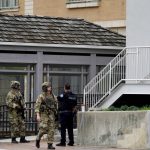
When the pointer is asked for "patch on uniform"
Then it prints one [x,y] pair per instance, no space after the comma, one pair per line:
[61,95]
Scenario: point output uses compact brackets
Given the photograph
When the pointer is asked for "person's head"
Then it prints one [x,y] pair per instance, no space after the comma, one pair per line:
[67,87]
[46,87]
[15,85]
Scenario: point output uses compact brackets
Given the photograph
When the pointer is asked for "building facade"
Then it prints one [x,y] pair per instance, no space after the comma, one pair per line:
[137,15]
[107,13]
[36,49]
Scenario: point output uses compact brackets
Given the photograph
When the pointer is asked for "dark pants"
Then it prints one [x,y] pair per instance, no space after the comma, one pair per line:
[66,121]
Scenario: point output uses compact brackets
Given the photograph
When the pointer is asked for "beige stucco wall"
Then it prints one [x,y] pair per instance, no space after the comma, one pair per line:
[21,7]
[107,10]
[113,11]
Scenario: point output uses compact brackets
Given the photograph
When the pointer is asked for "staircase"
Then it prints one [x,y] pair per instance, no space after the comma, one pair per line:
[130,67]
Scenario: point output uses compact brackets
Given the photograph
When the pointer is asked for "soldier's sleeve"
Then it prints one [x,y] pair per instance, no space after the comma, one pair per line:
[38,104]
[10,101]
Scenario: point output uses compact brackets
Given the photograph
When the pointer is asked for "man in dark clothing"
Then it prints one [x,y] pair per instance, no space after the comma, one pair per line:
[67,102]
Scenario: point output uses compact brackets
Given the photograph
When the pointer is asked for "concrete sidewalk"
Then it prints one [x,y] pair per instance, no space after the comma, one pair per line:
[5,144]
[30,138]
[31,146]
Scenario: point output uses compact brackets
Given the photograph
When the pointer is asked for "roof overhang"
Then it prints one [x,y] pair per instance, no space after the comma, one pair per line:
[58,45]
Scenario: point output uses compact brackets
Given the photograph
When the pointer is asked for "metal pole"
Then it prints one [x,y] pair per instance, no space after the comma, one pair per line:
[137,56]
[110,79]
[83,106]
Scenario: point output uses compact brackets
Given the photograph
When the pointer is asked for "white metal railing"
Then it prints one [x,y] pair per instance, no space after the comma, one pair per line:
[130,65]
[81,1]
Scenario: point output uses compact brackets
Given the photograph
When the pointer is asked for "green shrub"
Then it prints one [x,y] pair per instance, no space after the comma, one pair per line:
[146,107]
[127,108]
[133,108]
[124,108]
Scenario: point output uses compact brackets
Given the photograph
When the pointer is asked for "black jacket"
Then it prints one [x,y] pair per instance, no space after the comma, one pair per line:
[67,101]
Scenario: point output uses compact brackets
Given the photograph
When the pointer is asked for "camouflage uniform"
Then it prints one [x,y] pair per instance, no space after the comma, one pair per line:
[46,106]
[16,106]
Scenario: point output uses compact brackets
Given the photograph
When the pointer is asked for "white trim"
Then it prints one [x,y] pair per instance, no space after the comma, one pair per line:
[112,23]
[9,9]
[82,3]
[59,45]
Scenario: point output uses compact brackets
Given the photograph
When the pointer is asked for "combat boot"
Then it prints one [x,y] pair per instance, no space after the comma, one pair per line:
[37,144]
[13,140]
[50,146]
[23,140]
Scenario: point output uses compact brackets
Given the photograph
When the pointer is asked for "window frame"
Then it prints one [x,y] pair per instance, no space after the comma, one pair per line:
[82,73]
[82,3]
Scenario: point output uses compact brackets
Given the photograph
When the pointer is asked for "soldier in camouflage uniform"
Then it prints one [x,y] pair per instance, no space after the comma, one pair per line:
[46,110]
[15,103]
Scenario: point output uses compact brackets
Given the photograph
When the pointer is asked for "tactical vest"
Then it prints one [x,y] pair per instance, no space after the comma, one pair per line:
[48,105]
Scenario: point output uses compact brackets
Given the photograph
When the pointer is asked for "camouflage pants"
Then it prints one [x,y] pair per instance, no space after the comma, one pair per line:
[17,126]
[46,127]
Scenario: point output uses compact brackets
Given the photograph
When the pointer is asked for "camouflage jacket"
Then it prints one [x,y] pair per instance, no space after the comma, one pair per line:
[46,105]
[15,102]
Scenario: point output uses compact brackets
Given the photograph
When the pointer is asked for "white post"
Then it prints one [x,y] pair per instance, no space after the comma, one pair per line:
[110,79]
[137,59]
[83,106]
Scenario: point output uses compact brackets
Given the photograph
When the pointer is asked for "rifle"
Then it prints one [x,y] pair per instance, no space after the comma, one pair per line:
[47,104]
[21,109]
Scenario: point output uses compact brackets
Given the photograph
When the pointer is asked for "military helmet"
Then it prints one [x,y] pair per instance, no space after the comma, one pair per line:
[45,85]
[15,85]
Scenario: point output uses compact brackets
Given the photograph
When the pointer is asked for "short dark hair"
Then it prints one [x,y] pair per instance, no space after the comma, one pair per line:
[67,86]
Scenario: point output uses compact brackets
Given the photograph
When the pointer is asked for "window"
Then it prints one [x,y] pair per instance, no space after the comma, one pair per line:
[58,75]
[24,73]
[82,3]
[8,4]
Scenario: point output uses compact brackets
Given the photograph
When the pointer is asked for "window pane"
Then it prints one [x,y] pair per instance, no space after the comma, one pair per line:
[16,3]
[45,67]
[32,87]
[58,75]
[16,67]
[5,81]
[3,3]
[99,68]
[58,83]
[8,3]
[85,68]
[45,79]
[84,80]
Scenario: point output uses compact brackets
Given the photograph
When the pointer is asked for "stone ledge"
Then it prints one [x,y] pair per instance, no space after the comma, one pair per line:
[120,129]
